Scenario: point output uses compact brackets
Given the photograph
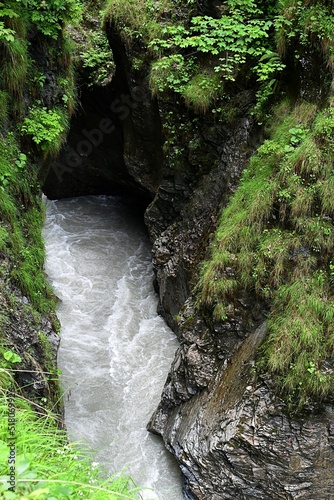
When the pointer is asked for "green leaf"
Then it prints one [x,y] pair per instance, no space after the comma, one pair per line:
[12,357]
[23,464]
[39,494]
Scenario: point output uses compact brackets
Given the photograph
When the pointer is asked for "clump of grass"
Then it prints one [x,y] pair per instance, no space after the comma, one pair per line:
[202,90]
[4,238]
[276,240]
[130,18]
[299,348]
[13,72]
[3,106]
[136,19]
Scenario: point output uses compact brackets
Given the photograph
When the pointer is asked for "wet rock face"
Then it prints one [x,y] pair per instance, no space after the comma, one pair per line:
[252,450]
[229,433]
[185,209]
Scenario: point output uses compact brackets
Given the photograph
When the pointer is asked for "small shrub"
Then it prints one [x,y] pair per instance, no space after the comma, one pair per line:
[171,73]
[46,127]
[50,17]
[98,60]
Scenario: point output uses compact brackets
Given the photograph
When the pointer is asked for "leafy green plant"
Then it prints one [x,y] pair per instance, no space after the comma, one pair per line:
[298,134]
[232,38]
[39,79]
[11,358]
[6,34]
[67,86]
[50,16]
[240,35]
[98,59]
[171,73]
[21,162]
[46,127]
[12,161]
[8,361]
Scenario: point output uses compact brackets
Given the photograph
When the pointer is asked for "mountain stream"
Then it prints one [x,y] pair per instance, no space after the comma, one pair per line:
[115,351]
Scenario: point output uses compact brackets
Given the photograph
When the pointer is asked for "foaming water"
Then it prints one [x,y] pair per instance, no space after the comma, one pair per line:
[115,351]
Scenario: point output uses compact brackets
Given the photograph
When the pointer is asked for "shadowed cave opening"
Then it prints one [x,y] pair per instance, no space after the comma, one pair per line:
[92,160]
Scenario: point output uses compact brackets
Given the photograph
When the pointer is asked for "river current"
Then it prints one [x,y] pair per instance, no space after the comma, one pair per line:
[115,351]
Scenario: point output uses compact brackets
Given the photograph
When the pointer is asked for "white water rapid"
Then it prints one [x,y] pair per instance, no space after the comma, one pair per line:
[115,351]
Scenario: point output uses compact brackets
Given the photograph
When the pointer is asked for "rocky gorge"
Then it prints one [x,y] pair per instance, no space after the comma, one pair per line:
[224,422]
[233,430]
